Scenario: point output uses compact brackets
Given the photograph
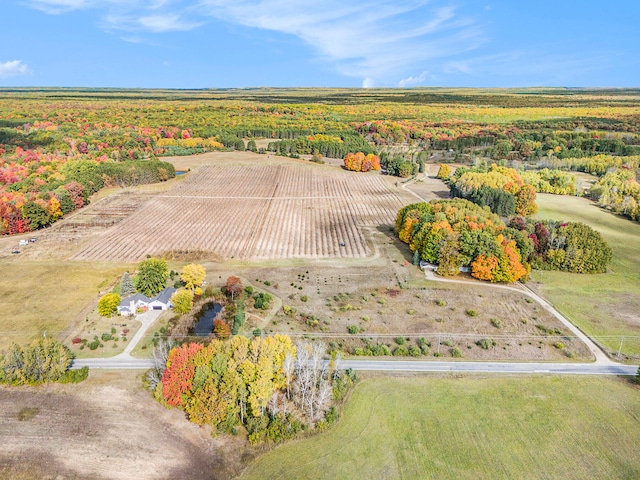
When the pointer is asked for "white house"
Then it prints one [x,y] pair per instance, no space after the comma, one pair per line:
[162,301]
[128,306]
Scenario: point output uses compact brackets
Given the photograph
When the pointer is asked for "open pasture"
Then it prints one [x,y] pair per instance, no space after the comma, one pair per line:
[273,211]
[606,305]
[572,427]
[47,297]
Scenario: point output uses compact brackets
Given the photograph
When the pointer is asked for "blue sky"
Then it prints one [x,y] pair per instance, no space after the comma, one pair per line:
[332,43]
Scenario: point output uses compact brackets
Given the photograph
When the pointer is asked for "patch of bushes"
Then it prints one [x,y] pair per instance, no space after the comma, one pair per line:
[486,343]
[262,301]
[548,331]
[106,337]
[496,322]
[414,351]
[471,312]
[401,351]
[377,350]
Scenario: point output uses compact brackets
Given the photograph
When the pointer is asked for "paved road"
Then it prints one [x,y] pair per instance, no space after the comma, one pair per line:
[489,367]
[416,366]
[114,363]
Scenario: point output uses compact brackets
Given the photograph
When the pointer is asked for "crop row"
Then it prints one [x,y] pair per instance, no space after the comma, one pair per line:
[266,212]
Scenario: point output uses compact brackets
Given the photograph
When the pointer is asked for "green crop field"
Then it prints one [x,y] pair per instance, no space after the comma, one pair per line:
[606,305]
[470,428]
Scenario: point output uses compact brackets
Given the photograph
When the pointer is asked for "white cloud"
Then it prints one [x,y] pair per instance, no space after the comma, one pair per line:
[147,23]
[411,81]
[55,7]
[135,39]
[13,68]
[166,23]
[116,7]
[368,83]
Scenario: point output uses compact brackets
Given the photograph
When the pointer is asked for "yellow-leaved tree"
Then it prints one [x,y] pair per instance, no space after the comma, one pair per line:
[193,276]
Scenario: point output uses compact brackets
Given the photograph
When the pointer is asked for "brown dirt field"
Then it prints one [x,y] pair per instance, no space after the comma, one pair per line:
[230,210]
[369,298]
[105,427]
[427,186]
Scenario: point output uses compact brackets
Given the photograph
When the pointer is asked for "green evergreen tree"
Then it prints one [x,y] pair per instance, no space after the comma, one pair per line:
[126,286]
[416,257]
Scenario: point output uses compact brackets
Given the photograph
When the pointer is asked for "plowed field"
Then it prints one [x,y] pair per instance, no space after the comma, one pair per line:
[255,212]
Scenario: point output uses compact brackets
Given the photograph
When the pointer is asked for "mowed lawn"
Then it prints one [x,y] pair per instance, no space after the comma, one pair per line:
[537,427]
[606,306]
[39,296]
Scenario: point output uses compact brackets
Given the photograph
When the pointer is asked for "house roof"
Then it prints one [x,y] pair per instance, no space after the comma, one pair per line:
[125,302]
[164,296]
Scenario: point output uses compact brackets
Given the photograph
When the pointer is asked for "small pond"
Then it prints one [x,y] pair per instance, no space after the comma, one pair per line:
[180,172]
[203,325]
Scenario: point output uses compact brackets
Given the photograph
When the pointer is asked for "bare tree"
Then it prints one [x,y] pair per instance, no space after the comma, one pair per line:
[322,398]
[272,405]
[312,386]
[160,357]
[288,368]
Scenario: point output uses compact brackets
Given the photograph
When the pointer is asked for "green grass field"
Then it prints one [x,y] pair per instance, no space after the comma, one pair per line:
[605,306]
[539,427]
[39,296]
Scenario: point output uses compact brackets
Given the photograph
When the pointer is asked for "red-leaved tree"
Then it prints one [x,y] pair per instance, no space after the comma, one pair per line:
[233,287]
[178,376]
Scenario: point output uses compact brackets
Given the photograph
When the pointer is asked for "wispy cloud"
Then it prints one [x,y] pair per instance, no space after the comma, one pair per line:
[525,68]
[13,68]
[137,40]
[56,7]
[411,81]
[383,42]
[377,41]
[148,23]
